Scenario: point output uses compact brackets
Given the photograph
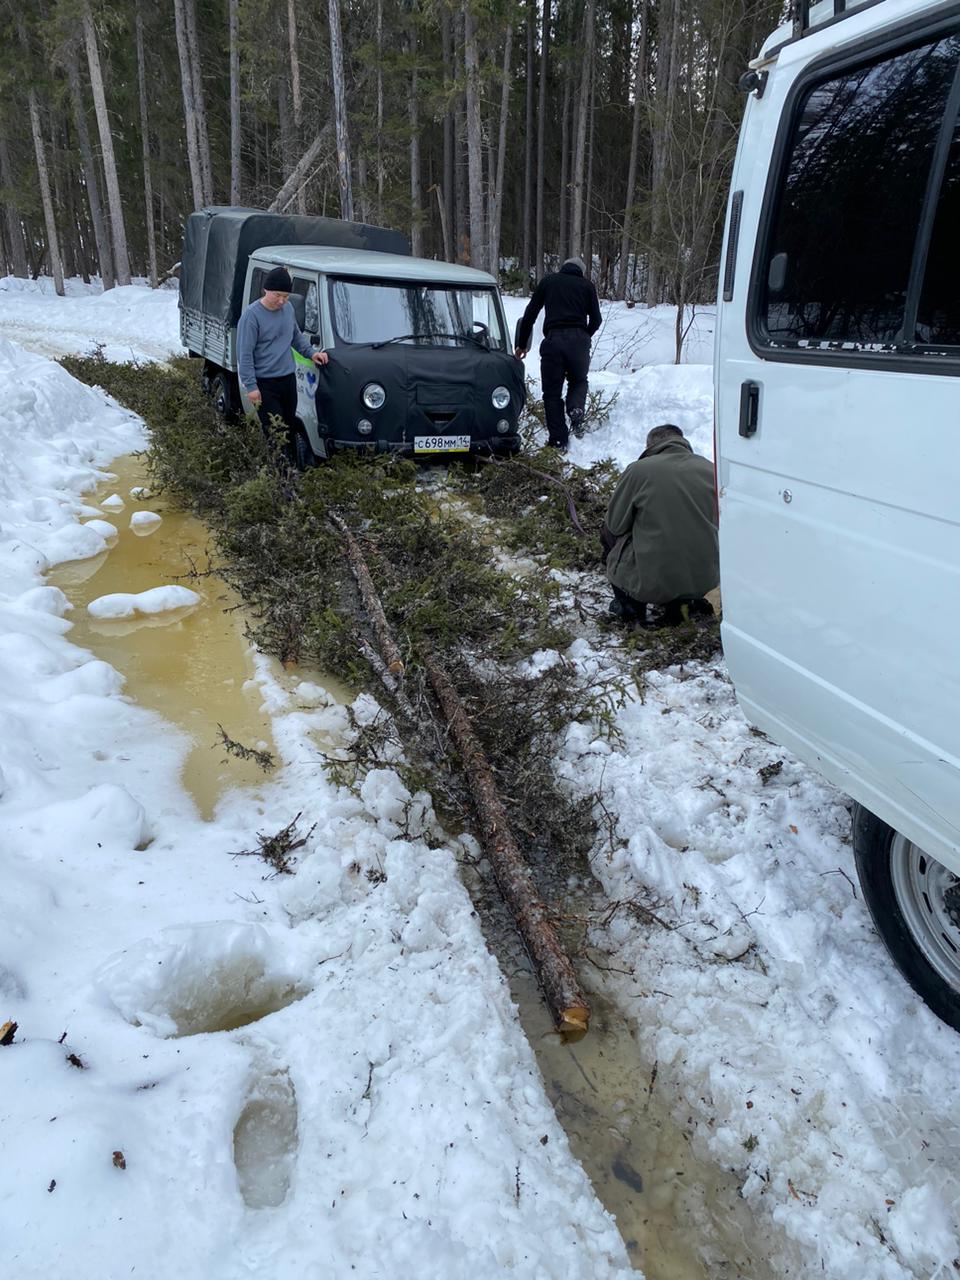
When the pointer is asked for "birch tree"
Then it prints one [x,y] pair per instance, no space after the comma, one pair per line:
[50,222]
[189,105]
[474,131]
[145,148]
[580,134]
[233,20]
[101,231]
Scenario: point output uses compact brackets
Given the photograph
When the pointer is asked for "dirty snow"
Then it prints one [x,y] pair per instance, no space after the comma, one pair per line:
[325,1069]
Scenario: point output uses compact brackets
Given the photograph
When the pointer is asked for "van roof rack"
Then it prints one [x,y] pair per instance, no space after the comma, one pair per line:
[827,13]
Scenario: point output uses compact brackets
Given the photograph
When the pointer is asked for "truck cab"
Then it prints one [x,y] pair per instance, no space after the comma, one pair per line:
[419,355]
[837,396]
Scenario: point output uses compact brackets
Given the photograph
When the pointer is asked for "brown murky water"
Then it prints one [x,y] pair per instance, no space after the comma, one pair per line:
[194,666]
[680,1218]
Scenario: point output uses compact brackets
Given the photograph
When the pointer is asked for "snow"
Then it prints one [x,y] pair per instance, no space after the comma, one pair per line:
[219,1072]
[143,522]
[324,1070]
[157,600]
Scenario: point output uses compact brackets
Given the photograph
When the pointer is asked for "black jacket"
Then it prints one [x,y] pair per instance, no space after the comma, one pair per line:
[571,303]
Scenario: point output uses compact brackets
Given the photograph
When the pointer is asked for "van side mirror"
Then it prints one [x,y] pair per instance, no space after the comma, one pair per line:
[299,304]
[777,272]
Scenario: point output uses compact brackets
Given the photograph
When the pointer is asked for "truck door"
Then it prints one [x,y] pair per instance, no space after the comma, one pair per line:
[307,372]
[838,404]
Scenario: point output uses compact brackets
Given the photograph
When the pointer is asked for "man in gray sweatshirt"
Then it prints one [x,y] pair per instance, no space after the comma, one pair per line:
[266,333]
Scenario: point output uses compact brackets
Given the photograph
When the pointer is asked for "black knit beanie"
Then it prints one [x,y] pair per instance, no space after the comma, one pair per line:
[278,280]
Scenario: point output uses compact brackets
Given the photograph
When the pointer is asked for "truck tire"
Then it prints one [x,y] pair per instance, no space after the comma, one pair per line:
[303,456]
[915,904]
[224,396]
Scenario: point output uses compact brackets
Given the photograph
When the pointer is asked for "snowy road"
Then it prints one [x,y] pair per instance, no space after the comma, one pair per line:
[396,1089]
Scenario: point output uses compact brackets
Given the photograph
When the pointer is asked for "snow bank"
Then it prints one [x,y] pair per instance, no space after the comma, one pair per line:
[220,1072]
[121,604]
[130,322]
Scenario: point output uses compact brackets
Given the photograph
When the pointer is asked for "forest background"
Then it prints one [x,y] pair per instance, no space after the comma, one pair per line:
[493,133]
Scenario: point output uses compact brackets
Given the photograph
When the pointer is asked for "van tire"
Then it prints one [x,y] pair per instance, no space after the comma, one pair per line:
[303,456]
[915,904]
[223,394]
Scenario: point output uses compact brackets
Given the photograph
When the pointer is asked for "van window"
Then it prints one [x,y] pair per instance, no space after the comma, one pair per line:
[855,176]
[938,316]
[435,315]
[256,283]
[311,312]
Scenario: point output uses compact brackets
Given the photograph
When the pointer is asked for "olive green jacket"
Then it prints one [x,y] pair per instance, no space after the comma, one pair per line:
[664,515]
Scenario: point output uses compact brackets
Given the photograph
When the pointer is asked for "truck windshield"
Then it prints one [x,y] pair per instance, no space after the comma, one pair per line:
[433,315]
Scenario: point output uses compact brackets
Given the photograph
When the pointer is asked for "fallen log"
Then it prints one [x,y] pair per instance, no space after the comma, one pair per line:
[571,1013]
[558,981]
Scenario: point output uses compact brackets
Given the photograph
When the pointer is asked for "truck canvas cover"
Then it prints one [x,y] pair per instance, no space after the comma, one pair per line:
[218,241]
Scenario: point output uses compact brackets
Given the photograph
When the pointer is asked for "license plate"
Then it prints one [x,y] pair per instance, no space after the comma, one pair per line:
[441,444]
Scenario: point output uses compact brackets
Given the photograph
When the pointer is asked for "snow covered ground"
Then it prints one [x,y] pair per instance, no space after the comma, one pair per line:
[321,1074]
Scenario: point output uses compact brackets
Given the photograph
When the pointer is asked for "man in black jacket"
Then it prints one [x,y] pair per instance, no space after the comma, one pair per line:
[571,318]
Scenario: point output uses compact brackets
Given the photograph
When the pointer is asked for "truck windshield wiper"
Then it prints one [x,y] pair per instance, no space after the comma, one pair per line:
[407,337]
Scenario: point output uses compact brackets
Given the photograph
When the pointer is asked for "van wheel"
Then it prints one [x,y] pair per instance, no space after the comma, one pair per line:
[303,455]
[915,904]
[224,400]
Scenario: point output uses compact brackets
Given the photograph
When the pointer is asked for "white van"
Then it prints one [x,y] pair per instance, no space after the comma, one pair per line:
[838,408]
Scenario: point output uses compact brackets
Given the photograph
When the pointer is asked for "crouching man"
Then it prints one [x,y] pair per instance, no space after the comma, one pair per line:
[266,334]
[660,533]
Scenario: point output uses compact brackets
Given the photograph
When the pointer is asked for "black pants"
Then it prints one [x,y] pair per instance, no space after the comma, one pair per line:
[672,611]
[279,400]
[564,354]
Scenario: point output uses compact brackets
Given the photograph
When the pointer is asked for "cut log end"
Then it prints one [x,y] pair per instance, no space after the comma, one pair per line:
[396,668]
[574,1022]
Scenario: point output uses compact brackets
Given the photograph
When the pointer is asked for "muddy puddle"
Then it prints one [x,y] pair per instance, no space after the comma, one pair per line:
[193,665]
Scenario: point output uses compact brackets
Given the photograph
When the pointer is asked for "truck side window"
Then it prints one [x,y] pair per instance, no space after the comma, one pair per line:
[256,284]
[852,189]
[938,315]
[308,291]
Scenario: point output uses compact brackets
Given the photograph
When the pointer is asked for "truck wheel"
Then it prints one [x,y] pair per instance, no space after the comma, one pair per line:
[303,454]
[915,904]
[222,395]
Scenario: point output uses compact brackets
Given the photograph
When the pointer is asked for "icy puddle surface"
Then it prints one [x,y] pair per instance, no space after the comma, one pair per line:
[192,664]
[680,1217]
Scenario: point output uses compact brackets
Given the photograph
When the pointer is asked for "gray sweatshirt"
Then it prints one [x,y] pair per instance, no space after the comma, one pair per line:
[264,339]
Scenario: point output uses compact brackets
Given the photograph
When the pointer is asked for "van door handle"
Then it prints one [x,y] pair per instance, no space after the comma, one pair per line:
[749,408]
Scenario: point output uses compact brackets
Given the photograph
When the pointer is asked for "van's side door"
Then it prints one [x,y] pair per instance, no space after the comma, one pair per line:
[838,413]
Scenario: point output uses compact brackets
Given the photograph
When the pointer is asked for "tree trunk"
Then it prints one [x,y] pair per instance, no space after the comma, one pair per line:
[571,1013]
[101,232]
[145,136]
[53,244]
[580,136]
[662,129]
[478,240]
[380,174]
[496,195]
[527,214]
[340,112]
[449,136]
[639,96]
[203,142]
[15,242]
[189,108]
[296,94]
[111,179]
[416,212]
[563,240]
[540,248]
[234,25]
[301,172]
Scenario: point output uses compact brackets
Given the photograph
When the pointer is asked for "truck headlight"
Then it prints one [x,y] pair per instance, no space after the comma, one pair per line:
[500,397]
[373,395]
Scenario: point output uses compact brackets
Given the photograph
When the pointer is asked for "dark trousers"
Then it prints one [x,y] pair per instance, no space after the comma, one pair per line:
[279,400]
[564,354]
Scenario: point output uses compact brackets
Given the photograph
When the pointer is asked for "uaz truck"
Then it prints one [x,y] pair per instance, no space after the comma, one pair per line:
[838,403]
[419,356]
